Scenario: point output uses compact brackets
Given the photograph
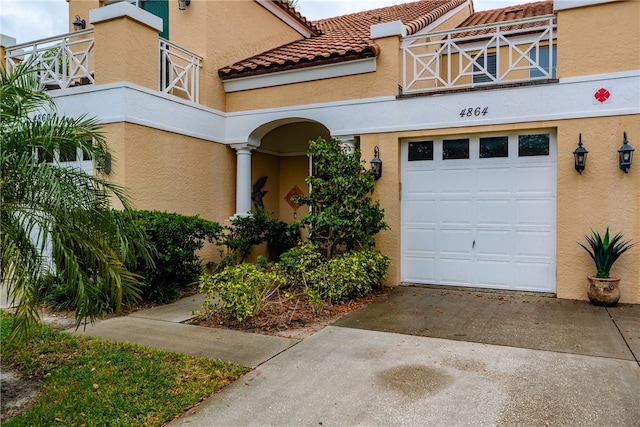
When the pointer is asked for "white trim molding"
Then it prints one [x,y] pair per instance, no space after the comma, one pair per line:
[572,4]
[286,18]
[341,69]
[388,29]
[122,9]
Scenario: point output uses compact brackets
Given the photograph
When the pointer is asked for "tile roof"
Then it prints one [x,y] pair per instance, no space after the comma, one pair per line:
[346,37]
[510,13]
[343,38]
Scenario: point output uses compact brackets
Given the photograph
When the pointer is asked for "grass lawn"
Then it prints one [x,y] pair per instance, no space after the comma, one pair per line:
[93,382]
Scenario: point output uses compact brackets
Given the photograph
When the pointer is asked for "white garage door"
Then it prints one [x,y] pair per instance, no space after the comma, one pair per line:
[480,211]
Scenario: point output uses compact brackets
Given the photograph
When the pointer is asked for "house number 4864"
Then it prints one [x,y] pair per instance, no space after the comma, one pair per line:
[471,112]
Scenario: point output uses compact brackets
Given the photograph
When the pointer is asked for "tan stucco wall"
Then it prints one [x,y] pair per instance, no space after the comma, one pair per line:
[119,40]
[81,8]
[384,82]
[174,173]
[224,32]
[602,196]
[599,39]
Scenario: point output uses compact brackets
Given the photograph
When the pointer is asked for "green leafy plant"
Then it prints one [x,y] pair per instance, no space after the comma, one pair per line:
[175,240]
[243,290]
[350,275]
[298,264]
[248,231]
[344,217]
[46,206]
[605,251]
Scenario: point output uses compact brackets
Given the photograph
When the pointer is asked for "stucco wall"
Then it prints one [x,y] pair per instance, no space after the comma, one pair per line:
[224,32]
[599,39]
[174,173]
[601,196]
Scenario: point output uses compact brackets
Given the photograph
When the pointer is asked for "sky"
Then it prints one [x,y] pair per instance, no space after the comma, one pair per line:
[29,20]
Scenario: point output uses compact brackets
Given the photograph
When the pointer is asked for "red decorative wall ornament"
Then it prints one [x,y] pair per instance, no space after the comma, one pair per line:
[602,95]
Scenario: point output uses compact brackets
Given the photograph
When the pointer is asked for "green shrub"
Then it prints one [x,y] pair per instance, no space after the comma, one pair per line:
[349,275]
[344,217]
[243,290]
[298,264]
[248,231]
[174,240]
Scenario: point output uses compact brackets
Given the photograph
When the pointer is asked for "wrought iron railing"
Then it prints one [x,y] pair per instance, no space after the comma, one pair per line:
[63,61]
[509,52]
[179,71]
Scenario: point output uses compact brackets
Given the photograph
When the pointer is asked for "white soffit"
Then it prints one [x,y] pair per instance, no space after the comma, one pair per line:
[570,4]
[121,9]
[318,72]
[286,18]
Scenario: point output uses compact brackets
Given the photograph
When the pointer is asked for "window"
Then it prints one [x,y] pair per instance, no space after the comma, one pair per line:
[422,150]
[533,145]
[543,62]
[455,149]
[488,63]
[496,146]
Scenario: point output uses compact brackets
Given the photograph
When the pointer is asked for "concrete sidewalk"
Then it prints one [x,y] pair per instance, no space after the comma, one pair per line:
[161,327]
[420,356]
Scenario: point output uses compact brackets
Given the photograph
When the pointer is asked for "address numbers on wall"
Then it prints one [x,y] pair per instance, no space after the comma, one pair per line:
[474,112]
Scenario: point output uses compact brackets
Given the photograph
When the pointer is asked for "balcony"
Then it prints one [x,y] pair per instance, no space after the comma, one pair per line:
[66,61]
[511,52]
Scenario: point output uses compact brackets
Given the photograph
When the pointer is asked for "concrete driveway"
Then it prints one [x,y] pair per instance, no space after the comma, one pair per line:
[442,357]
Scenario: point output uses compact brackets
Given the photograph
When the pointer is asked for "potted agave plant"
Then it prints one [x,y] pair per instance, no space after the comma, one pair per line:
[605,251]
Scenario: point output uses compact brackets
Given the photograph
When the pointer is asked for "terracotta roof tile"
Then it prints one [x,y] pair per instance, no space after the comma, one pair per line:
[346,37]
[529,10]
[342,38]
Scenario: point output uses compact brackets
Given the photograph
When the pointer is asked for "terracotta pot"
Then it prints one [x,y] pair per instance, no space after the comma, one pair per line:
[603,292]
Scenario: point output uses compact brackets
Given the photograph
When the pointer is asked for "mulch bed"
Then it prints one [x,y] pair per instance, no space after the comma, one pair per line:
[291,315]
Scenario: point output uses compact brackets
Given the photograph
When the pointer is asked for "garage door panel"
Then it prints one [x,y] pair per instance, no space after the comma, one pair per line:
[455,271]
[532,244]
[493,243]
[494,274]
[490,181]
[420,182]
[538,213]
[533,275]
[421,212]
[494,213]
[422,239]
[454,212]
[482,222]
[534,179]
[455,182]
[419,270]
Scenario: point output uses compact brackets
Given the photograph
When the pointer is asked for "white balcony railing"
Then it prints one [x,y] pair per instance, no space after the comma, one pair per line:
[179,71]
[63,61]
[509,52]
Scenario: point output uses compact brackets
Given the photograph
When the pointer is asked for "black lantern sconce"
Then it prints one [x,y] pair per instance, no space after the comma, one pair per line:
[183,4]
[376,164]
[625,154]
[580,156]
[79,24]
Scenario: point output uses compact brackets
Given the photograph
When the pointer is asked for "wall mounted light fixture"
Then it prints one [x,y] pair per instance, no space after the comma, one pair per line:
[625,154]
[79,23]
[182,4]
[580,156]
[376,164]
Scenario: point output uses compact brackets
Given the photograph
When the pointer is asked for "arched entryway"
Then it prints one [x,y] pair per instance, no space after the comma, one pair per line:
[281,157]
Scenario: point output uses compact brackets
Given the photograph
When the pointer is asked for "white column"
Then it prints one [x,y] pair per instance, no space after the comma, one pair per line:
[243,178]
